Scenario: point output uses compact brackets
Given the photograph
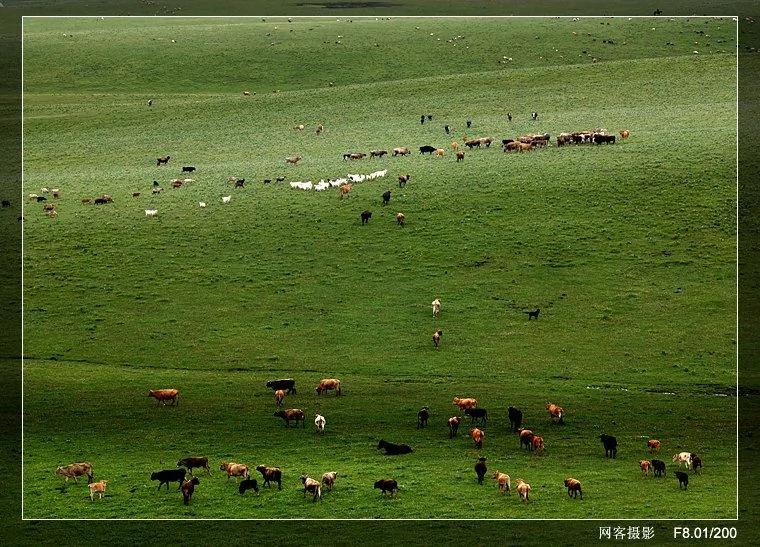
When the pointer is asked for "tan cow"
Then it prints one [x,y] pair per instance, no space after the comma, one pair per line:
[477,435]
[344,190]
[439,152]
[645,466]
[502,479]
[98,488]
[163,395]
[436,307]
[465,403]
[523,488]
[556,413]
[653,445]
[235,470]
[279,395]
[328,384]
[573,487]
[76,470]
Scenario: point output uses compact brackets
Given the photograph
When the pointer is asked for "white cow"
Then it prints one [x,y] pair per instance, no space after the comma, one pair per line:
[684,457]
[320,421]
[436,307]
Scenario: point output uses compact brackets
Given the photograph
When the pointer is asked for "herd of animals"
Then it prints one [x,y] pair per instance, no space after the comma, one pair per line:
[528,439]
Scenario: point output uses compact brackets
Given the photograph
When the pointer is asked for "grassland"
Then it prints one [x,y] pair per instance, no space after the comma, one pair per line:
[629,250]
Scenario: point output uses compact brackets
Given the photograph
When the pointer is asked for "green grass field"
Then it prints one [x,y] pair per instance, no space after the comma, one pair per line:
[629,251]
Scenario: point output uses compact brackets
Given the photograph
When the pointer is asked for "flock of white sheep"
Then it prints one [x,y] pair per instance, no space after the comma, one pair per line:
[333,183]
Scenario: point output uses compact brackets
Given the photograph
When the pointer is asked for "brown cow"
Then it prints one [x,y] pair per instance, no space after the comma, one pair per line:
[523,488]
[401,151]
[295,414]
[624,133]
[537,444]
[76,470]
[556,413]
[403,179]
[573,487]
[653,445]
[645,466]
[328,384]
[460,156]
[526,438]
[191,462]
[235,470]
[162,160]
[454,426]
[344,190]
[98,488]
[400,219]
[465,403]
[279,395]
[293,159]
[477,435]
[163,395]
[502,479]
[437,338]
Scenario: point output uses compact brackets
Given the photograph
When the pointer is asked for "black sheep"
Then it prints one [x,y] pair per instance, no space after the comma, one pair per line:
[169,475]
[515,418]
[481,469]
[610,445]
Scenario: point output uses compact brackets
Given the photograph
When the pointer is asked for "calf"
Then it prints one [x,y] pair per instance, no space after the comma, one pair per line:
[477,435]
[427,149]
[169,475]
[659,468]
[279,395]
[400,219]
[235,470]
[683,480]
[311,486]
[460,156]
[163,160]
[481,469]
[328,384]
[454,426]
[328,479]
[610,445]
[76,470]
[188,487]
[294,414]
[163,395]
[386,197]
[192,463]
[248,484]
[477,415]
[437,338]
[422,417]
[98,488]
[392,449]
[523,488]
[502,480]
[270,474]
[515,418]
[526,438]
[387,485]
[653,445]
[287,384]
[645,465]
[573,488]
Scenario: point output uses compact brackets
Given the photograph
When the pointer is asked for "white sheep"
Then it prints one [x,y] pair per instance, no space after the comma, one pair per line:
[151,212]
[226,199]
[202,204]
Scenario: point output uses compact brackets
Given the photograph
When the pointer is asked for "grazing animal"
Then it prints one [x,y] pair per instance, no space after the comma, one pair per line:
[429,117]
[653,445]
[472,143]
[239,183]
[624,133]
[402,180]
[696,462]
[526,438]
[366,215]
[85,201]
[202,204]
[436,307]
[509,116]
[422,417]
[455,145]
[188,169]
[659,468]
[556,413]
[279,395]
[503,482]
[392,449]
[437,338]
[610,445]
[102,201]
[645,466]
[400,219]
[156,190]
[460,156]
[293,159]
[40,199]
[188,487]
[533,314]
[683,457]
[151,213]
[328,384]
[523,146]
[422,119]
[387,485]
[163,160]
[523,488]
[6,203]
[446,129]
[469,124]
[573,488]
[534,116]
[515,418]
[76,470]
[683,480]
[135,194]
[226,199]
[270,474]
[150,102]
[356,156]
[481,469]
[537,444]
[344,190]
[599,138]
[377,153]
[439,152]
[401,151]
[427,149]
[511,145]
[246,93]
[98,488]
[311,486]
[280,178]
[169,475]
[294,414]
[163,395]
[477,436]
[299,127]
[465,403]
[328,479]
[320,129]
[477,415]
[386,197]
[247,484]
[194,462]
[235,470]
[454,426]
[320,421]
[287,384]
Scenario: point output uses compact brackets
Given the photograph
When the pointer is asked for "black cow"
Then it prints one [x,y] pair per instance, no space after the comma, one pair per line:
[533,314]
[41,199]
[659,468]
[392,449]
[386,485]
[469,124]
[599,139]
[683,480]
[247,484]
[193,462]
[239,183]
[188,169]
[286,383]
[422,119]
[366,215]
[534,116]
[446,128]
[610,445]
[477,414]
[100,201]
[480,469]
[169,475]
[427,149]
[386,197]
[515,418]
[696,462]
[422,417]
